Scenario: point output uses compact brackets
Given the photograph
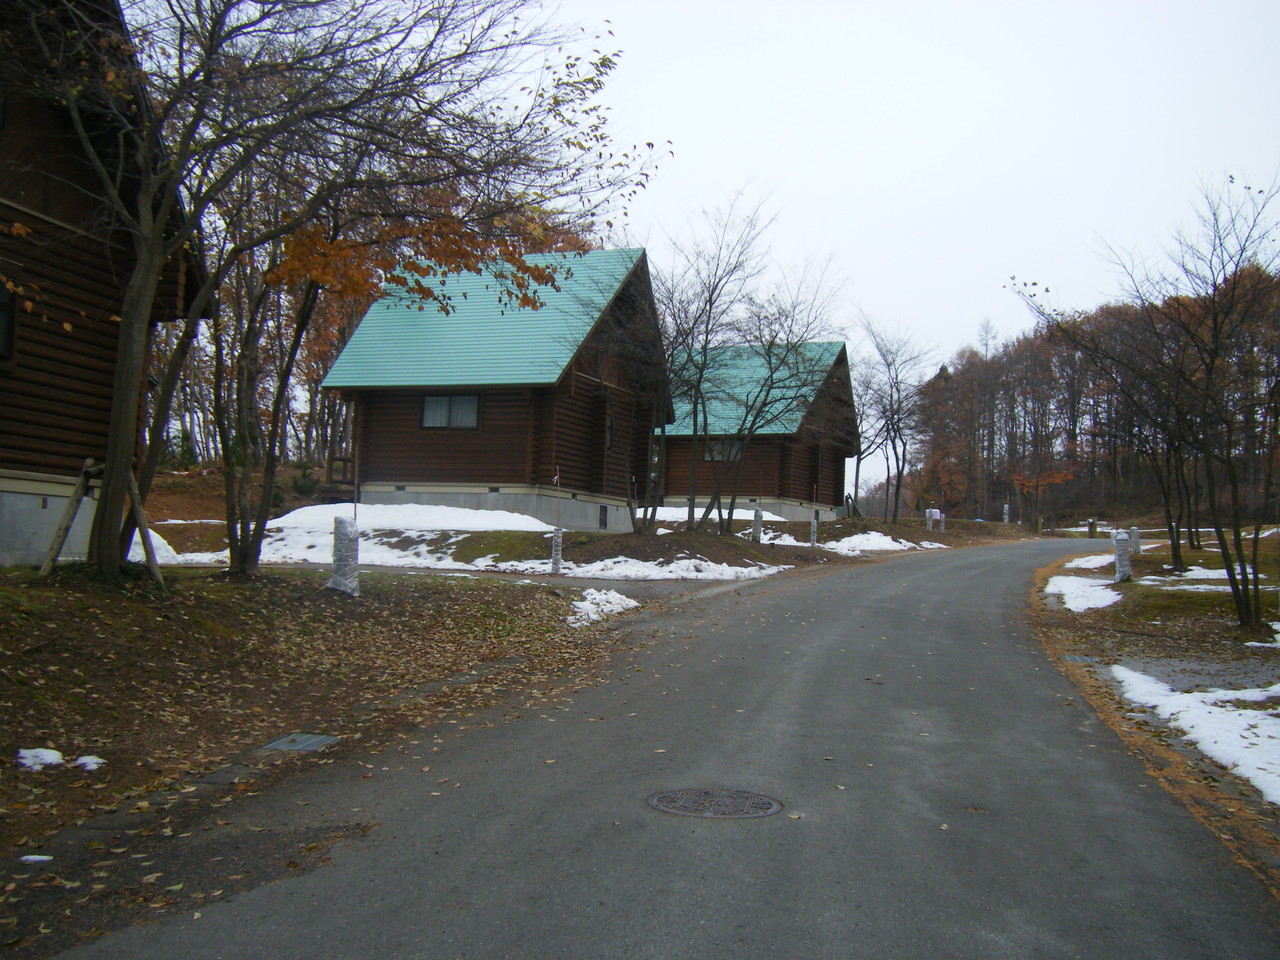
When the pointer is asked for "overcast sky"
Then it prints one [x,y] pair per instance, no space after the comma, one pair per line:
[935,148]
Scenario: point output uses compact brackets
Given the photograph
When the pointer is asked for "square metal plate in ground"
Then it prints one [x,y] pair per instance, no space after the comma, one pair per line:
[302,741]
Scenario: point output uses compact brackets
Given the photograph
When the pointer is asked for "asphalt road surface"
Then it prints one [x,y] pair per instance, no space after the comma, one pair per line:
[944,792]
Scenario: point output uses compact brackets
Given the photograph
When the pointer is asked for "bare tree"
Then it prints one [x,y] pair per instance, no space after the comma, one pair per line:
[1193,355]
[702,302]
[898,366]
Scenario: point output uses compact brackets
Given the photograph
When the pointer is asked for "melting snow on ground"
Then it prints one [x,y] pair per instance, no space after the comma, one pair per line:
[598,604]
[851,546]
[1179,581]
[1082,593]
[1244,740]
[37,758]
[1091,563]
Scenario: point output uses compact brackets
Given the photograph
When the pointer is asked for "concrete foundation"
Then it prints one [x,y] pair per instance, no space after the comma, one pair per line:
[31,505]
[560,508]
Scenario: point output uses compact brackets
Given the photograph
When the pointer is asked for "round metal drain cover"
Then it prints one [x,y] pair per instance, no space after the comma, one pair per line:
[717,804]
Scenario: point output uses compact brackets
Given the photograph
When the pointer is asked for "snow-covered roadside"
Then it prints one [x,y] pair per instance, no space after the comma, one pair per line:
[598,604]
[1082,593]
[1220,722]
[409,535]
[1095,562]
[1244,740]
[851,546]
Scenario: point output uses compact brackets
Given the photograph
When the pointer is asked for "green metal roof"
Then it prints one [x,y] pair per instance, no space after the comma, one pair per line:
[770,387]
[404,341]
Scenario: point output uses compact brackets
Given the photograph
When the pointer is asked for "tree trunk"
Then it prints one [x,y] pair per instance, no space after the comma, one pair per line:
[106,553]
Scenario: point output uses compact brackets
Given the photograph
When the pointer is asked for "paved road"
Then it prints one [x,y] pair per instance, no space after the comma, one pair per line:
[945,795]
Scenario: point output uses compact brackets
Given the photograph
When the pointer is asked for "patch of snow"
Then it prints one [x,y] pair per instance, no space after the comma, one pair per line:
[37,758]
[90,762]
[681,514]
[1091,563]
[930,545]
[874,541]
[1247,742]
[34,858]
[1174,581]
[1273,645]
[598,604]
[164,553]
[406,516]
[662,532]
[1082,593]
[624,568]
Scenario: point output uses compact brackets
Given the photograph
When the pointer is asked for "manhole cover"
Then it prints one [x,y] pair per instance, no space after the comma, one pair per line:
[717,804]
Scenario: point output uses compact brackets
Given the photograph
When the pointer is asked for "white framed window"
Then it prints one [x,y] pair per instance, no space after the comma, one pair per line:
[455,412]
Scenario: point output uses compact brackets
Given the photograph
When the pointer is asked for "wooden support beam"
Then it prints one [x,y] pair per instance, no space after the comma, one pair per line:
[61,532]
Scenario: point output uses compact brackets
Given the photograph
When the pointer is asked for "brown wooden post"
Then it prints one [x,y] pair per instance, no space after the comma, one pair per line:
[68,517]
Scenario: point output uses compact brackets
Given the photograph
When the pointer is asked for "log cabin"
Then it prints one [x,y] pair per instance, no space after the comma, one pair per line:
[775,428]
[545,410]
[63,270]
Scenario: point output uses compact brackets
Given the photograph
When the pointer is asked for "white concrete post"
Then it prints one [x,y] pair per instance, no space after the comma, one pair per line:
[557,549]
[1135,541]
[1124,560]
[813,530]
[756,524]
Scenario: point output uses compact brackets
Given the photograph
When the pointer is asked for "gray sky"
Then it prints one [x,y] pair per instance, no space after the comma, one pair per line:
[935,148]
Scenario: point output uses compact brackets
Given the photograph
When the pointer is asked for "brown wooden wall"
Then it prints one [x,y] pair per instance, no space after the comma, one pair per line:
[393,447]
[773,467]
[56,391]
[761,468]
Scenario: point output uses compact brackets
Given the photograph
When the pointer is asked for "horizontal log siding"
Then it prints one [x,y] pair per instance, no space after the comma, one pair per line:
[760,475]
[395,448]
[816,472]
[619,463]
[55,394]
[578,443]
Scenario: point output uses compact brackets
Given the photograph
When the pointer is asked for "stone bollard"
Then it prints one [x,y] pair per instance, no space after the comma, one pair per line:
[1124,559]
[346,557]
[557,549]
[1135,541]
[1093,529]
[813,530]
[756,525]
[942,522]
[1006,513]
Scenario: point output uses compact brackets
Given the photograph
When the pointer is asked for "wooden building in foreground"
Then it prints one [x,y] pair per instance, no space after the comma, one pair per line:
[63,270]
[776,427]
[547,412]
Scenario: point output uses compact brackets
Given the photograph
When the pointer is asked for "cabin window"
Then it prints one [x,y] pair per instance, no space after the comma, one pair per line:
[723,451]
[458,412]
[8,322]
